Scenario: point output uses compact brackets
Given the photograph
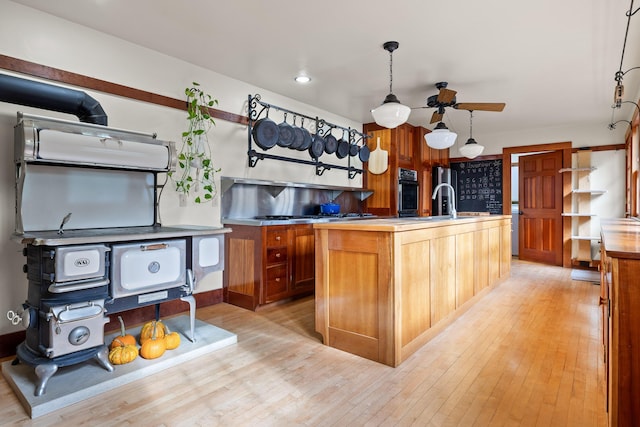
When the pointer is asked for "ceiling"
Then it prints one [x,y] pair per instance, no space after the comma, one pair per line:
[552,62]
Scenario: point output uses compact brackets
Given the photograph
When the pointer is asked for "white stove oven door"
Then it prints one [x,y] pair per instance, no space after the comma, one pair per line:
[74,327]
[143,267]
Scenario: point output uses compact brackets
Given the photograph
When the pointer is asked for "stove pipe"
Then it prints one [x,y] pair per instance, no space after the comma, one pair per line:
[49,97]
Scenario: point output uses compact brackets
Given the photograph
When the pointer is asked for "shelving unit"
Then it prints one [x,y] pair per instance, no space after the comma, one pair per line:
[581,214]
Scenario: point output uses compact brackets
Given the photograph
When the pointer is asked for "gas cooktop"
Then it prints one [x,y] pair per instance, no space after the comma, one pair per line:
[295,219]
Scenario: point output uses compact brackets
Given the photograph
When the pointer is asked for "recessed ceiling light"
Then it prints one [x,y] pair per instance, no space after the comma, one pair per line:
[303,79]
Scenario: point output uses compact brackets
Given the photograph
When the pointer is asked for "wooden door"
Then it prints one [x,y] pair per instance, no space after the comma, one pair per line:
[540,225]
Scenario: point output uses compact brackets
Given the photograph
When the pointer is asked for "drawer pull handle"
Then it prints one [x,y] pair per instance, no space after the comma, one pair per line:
[278,255]
[154,247]
[277,279]
[278,238]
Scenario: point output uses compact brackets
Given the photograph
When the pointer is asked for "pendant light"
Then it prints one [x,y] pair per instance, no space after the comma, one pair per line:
[441,137]
[471,149]
[391,113]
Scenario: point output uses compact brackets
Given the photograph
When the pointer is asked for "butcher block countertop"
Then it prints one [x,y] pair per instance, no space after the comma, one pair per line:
[621,237]
[407,224]
[386,286]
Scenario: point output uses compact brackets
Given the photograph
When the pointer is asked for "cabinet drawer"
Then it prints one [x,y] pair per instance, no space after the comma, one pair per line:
[276,255]
[277,238]
[276,280]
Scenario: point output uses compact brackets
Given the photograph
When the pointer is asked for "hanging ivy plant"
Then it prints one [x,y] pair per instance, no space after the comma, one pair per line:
[195,172]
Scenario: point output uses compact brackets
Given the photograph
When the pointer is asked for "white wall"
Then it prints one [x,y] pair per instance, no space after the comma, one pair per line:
[586,135]
[34,36]
[57,43]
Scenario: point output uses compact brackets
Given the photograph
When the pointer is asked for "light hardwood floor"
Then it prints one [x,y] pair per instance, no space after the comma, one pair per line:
[528,354]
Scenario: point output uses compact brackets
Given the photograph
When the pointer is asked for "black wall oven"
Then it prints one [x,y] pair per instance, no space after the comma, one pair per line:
[408,192]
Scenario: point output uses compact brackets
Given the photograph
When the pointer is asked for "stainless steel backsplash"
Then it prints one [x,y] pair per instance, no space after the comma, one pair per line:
[242,198]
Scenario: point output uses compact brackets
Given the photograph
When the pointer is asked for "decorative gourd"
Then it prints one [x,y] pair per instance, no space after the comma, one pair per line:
[171,339]
[122,339]
[153,347]
[147,331]
[122,353]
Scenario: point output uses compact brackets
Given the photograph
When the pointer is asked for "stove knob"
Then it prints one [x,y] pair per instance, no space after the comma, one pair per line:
[25,268]
[24,252]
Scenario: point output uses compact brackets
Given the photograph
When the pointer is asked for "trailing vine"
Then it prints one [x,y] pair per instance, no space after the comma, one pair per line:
[195,173]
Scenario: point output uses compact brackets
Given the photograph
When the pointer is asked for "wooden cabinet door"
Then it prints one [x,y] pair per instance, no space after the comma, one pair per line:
[443,277]
[384,200]
[605,283]
[405,146]
[425,201]
[303,259]
[243,266]
[422,147]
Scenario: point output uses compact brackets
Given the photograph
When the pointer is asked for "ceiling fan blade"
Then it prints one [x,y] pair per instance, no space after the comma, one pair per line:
[480,106]
[446,95]
[436,117]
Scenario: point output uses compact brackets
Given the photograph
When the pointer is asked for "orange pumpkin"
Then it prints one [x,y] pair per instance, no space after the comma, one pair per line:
[122,353]
[122,339]
[171,339]
[147,330]
[153,347]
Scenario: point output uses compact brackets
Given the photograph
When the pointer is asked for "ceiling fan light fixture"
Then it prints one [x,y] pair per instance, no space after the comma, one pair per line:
[471,149]
[391,113]
[441,137]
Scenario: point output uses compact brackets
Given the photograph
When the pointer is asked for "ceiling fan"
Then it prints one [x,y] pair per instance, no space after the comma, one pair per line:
[447,98]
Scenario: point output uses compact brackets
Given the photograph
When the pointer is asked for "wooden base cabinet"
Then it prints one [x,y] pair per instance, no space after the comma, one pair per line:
[384,290]
[268,264]
[620,299]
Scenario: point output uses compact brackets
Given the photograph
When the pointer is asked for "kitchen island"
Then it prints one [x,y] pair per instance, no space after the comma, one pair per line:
[385,287]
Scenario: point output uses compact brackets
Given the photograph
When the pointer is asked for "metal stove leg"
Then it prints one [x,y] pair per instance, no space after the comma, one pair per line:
[44,372]
[192,315]
[102,357]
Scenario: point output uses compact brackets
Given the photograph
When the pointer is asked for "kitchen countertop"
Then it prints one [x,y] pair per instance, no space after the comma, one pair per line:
[621,237]
[103,235]
[311,219]
[406,224]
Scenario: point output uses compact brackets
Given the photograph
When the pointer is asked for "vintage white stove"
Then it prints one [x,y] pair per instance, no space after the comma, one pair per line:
[87,215]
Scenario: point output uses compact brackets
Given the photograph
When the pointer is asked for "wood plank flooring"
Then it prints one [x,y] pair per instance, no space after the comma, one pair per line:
[528,354]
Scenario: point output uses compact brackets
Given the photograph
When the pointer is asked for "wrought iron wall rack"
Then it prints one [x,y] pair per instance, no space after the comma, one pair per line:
[322,127]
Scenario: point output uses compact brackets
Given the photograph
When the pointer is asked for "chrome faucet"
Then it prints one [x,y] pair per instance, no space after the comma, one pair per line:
[452,205]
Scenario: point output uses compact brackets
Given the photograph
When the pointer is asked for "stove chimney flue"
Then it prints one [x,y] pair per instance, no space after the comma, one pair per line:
[31,93]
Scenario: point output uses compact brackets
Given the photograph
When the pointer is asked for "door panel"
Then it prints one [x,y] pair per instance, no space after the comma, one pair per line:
[540,231]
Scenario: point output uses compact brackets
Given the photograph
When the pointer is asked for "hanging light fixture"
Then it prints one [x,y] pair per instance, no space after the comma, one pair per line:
[391,113]
[471,149]
[441,137]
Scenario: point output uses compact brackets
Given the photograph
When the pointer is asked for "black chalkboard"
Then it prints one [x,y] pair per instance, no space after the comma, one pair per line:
[479,185]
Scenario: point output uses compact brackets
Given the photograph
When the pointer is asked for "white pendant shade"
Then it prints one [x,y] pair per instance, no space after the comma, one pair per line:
[391,114]
[471,149]
[441,137]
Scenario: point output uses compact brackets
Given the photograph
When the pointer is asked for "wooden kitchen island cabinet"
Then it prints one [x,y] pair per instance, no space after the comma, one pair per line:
[620,299]
[384,287]
[265,264]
